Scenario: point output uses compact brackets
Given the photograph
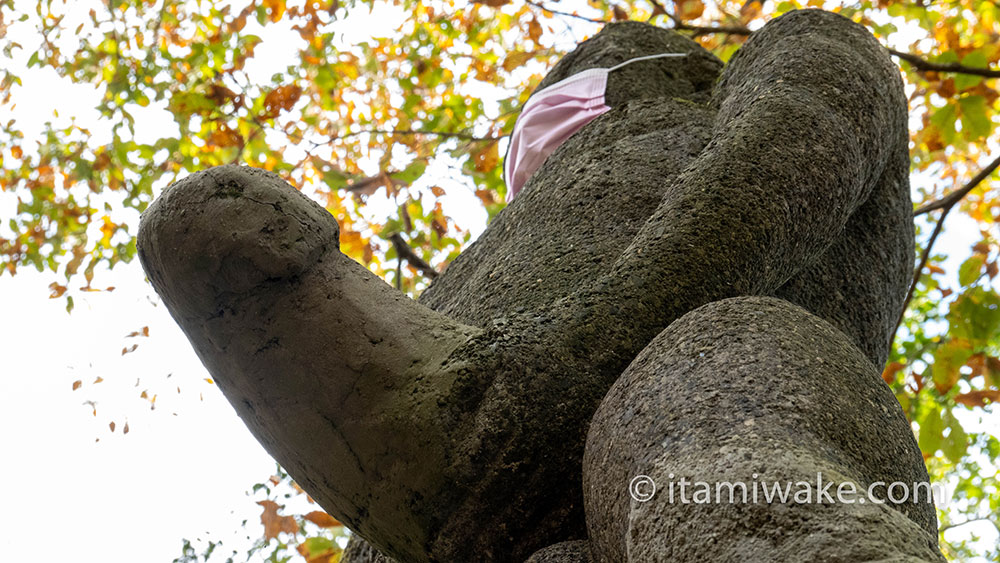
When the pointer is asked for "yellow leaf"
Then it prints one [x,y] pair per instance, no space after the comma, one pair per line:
[108,230]
[209,380]
[516,59]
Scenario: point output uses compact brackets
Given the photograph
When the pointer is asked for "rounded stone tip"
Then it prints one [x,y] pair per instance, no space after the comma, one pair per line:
[227,230]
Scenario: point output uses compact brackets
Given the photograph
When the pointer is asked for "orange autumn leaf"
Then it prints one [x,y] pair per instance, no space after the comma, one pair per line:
[281,99]
[77,384]
[322,519]
[274,523]
[690,9]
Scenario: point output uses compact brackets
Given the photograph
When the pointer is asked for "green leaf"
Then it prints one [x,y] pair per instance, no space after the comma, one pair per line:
[976,122]
[954,446]
[412,172]
[975,59]
[944,119]
[970,270]
[931,428]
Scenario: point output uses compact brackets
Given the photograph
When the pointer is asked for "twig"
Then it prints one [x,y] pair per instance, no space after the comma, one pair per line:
[922,64]
[955,196]
[567,14]
[946,204]
[403,250]
[445,134]
[970,521]
[916,61]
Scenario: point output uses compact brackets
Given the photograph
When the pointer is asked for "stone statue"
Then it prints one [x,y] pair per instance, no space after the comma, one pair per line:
[701,283]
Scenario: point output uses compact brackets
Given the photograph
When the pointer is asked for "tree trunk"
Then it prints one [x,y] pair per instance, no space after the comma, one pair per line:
[762,217]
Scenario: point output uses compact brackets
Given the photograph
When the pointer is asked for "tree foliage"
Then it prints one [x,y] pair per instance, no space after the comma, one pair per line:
[418,107]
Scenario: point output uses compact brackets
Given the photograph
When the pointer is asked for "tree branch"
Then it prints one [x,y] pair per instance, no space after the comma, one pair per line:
[924,65]
[567,14]
[957,195]
[946,203]
[444,134]
[970,521]
[916,61]
[403,251]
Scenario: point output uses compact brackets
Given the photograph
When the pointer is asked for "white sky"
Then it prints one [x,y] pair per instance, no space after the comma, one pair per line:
[128,498]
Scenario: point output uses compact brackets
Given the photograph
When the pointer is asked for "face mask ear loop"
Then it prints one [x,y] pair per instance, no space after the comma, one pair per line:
[646,58]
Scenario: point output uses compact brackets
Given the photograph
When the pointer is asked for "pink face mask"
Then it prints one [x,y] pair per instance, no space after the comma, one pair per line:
[554,113]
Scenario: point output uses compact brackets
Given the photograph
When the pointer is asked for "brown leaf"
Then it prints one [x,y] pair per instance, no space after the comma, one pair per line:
[889,374]
[125,430]
[112,426]
[534,29]
[322,519]
[280,99]
[130,349]
[620,13]
[56,289]
[77,384]
[991,269]
[492,3]
[486,158]
[274,523]
[934,269]
[981,398]
[437,190]
[486,196]
[224,136]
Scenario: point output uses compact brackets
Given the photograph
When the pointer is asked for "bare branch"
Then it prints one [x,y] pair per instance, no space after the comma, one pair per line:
[404,251]
[567,14]
[957,195]
[946,203]
[924,65]
[916,61]
[443,134]
[970,521]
